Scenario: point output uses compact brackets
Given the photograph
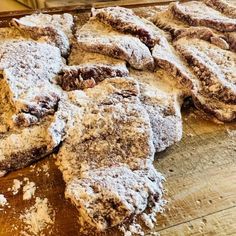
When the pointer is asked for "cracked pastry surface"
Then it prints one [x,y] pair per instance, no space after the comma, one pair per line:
[86,69]
[124,20]
[227,7]
[107,155]
[215,71]
[31,123]
[97,37]
[162,98]
[53,29]
[194,13]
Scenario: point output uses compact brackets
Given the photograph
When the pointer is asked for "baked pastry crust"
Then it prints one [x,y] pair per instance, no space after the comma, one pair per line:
[97,37]
[194,13]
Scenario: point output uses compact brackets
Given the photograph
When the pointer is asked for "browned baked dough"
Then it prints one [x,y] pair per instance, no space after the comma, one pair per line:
[87,69]
[167,58]
[162,96]
[54,29]
[227,7]
[194,13]
[109,150]
[178,29]
[215,71]
[31,122]
[97,37]
[124,20]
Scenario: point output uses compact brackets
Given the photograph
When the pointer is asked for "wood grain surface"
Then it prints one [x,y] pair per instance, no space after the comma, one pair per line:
[200,186]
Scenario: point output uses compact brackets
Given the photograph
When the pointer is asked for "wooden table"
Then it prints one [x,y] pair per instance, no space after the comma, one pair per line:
[200,186]
[11,5]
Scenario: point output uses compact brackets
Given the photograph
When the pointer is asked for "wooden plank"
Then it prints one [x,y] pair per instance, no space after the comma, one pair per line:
[106,3]
[196,195]
[11,5]
[200,171]
[204,145]
[221,223]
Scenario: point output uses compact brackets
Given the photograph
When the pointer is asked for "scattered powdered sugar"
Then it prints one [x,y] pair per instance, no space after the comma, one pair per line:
[147,220]
[44,168]
[2,173]
[136,229]
[133,229]
[3,201]
[16,186]
[28,189]
[38,218]
[32,168]
[153,234]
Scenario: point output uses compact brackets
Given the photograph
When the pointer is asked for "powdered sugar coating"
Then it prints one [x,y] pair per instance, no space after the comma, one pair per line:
[53,29]
[215,70]
[168,59]
[215,67]
[113,122]
[227,7]
[21,146]
[79,56]
[29,68]
[124,20]
[63,22]
[97,37]
[108,153]
[162,100]
[108,196]
[167,21]
[194,12]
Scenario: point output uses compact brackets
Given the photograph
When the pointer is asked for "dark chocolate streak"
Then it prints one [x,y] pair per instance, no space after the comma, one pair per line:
[87,76]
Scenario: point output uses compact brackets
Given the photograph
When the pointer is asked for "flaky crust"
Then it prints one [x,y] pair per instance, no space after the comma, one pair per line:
[124,20]
[215,71]
[227,7]
[96,37]
[194,13]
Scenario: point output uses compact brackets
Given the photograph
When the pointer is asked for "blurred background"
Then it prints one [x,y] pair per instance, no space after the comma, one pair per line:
[11,5]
